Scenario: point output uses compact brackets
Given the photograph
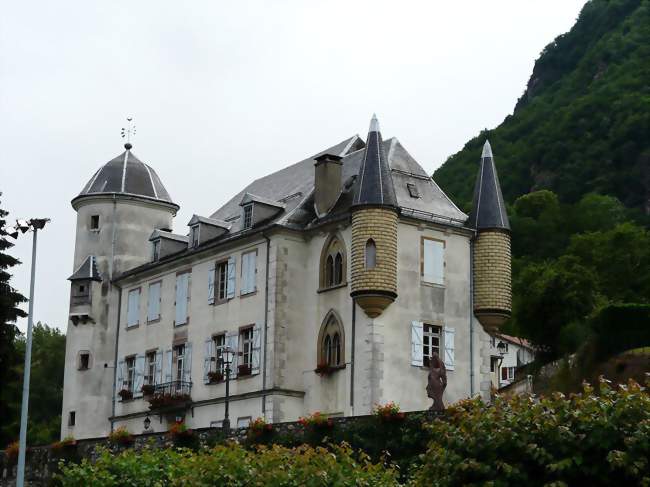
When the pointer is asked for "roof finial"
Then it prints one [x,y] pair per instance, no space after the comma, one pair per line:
[487,150]
[127,132]
[374,124]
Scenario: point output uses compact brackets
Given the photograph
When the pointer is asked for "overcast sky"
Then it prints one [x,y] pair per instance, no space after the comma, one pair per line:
[223,92]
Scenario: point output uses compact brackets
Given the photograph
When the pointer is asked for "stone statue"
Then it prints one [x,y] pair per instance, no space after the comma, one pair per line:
[437,382]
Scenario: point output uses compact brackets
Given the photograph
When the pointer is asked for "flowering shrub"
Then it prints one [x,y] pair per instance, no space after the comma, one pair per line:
[597,437]
[316,421]
[180,430]
[121,436]
[388,412]
[166,400]
[12,452]
[260,427]
[230,465]
[67,442]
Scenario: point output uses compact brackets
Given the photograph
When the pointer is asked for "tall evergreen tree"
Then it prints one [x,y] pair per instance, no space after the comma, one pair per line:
[9,312]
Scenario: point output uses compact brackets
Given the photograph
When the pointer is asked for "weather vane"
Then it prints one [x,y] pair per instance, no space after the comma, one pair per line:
[129,130]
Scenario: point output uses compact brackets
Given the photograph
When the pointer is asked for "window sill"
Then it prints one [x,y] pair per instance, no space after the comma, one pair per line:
[132,327]
[330,370]
[217,302]
[246,295]
[94,230]
[151,322]
[433,284]
[246,376]
[331,288]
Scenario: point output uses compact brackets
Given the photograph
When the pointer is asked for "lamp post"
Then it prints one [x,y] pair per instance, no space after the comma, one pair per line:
[501,348]
[35,224]
[227,356]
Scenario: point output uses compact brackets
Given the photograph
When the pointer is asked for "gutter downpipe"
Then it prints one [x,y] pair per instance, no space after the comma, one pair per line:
[117,336]
[471,316]
[354,322]
[266,321]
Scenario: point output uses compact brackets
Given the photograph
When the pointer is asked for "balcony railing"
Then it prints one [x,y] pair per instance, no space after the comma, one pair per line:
[172,394]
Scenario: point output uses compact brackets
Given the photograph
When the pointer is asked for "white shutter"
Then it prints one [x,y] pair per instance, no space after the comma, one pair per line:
[158,375]
[256,352]
[417,343]
[232,278]
[133,307]
[243,287]
[138,379]
[120,377]
[207,358]
[153,308]
[232,343]
[182,281]
[252,272]
[448,343]
[434,261]
[211,275]
[168,365]
[187,363]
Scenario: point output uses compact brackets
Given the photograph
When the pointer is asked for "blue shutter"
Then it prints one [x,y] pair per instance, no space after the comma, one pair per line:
[158,375]
[120,377]
[208,354]
[211,275]
[448,343]
[257,350]
[417,334]
[182,285]
[187,363]
[168,365]
[138,380]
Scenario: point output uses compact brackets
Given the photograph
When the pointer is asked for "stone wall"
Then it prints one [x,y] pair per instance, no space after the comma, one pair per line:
[42,461]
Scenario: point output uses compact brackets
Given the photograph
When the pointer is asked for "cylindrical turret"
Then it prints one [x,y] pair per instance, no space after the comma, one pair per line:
[119,208]
[374,230]
[491,248]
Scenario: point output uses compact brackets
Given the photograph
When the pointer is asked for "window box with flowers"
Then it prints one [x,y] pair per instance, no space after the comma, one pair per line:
[260,428]
[244,370]
[67,446]
[148,390]
[160,401]
[121,436]
[126,394]
[215,377]
[181,435]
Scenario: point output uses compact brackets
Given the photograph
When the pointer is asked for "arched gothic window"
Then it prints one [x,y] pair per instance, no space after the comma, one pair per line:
[331,344]
[333,263]
[371,254]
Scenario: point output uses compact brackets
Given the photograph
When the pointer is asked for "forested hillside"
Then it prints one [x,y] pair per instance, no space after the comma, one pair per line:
[574,165]
[583,122]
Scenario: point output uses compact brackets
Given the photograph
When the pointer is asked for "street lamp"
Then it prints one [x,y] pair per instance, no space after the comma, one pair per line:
[147,423]
[501,348]
[35,224]
[227,355]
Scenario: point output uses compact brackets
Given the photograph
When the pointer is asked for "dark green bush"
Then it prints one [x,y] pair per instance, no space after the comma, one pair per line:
[621,327]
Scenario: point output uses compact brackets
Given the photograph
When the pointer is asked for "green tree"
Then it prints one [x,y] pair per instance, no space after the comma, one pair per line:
[9,312]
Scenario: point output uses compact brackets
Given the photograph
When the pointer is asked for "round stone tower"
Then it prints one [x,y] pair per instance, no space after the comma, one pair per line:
[374,230]
[117,210]
[491,247]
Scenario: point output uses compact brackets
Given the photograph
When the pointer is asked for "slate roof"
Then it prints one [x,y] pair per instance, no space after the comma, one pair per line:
[375,183]
[157,233]
[209,221]
[293,186]
[128,175]
[87,270]
[488,207]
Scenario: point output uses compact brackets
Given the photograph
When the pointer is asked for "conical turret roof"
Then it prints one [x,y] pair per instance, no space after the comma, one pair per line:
[127,175]
[375,182]
[488,208]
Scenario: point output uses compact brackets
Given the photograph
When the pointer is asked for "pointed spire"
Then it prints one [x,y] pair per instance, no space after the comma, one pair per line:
[488,208]
[375,183]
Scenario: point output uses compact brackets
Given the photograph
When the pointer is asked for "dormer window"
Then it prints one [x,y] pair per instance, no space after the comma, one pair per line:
[155,252]
[248,216]
[194,236]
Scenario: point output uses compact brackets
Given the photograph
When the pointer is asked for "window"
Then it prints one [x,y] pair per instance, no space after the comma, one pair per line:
[72,418]
[494,362]
[330,349]
[248,216]
[150,370]
[133,308]
[371,254]
[82,289]
[155,250]
[84,360]
[332,272]
[182,298]
[194,236]
[222,281]
[244,422]
[246,347]
[179,362]
[248,272]
[216,361]
[430,342]
[432,267]
[129,380]
[153,305]
[507,373]
[413,190]
[224,275]
[94,222]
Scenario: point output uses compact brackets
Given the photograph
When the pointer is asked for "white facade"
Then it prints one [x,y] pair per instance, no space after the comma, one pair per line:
[518,352]
[160,317]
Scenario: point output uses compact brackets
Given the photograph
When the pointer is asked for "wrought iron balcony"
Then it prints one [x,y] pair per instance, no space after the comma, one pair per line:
[171,395]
